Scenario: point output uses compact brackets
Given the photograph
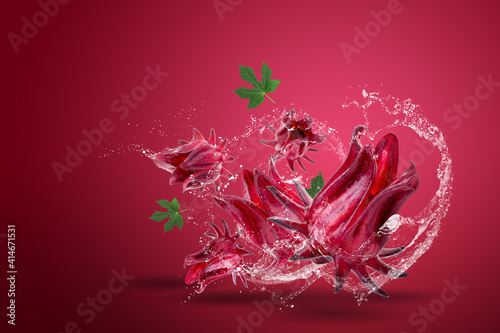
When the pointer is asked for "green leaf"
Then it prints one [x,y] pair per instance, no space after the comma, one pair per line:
[172,207]
[176,220]
[160,216]
[317,184]
[173,216]
[260,89]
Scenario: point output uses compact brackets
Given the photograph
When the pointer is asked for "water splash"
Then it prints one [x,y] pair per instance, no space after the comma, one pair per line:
[252,154]
[418,232]
[428,221]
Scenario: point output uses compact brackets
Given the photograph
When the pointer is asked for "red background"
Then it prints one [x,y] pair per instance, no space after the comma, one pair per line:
[72,234]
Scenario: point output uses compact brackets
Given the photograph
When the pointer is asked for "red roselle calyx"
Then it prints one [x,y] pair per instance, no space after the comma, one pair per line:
[219,258]
[196,163]
[293,139]
[343,224]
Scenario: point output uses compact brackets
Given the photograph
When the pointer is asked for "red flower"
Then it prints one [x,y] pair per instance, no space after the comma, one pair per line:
[345,221]
[253,214]
[219,258]
[196,163]
[293,139]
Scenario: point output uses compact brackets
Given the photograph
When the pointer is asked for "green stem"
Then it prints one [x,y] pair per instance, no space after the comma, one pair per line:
[182,211]
[270,98]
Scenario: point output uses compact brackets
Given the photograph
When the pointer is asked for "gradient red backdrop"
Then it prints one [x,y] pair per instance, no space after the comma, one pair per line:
[72,235]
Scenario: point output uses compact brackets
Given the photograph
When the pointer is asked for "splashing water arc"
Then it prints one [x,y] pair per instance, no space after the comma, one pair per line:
[424,225]
[415,233]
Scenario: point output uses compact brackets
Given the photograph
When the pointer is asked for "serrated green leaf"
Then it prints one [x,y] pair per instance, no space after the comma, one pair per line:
[160,216]
[174,218]
[260,89]
[317,184]
[175,204]
[255,97]
[164,204]
[172,207]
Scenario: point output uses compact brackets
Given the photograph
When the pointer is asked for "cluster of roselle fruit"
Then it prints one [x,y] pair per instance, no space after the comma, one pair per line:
[343,224]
